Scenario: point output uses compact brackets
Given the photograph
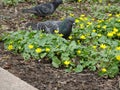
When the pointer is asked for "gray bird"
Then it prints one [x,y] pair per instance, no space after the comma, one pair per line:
[64,27]
[43,10]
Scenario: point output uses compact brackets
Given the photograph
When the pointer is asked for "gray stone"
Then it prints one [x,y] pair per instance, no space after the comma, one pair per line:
[10,82]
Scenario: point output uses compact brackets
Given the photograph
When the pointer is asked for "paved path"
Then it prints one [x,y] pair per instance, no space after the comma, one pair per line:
[10,82]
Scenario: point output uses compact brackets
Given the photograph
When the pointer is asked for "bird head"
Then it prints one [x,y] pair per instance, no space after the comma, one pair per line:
[32,25]
[70,19]
[58,1]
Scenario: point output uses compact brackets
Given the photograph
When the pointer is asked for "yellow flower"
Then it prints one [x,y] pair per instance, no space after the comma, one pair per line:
[100,1]
[82,37]
[41,35]
[117,48]
[30,46]
[118,20]
[72,15]
[56,31]
[81,18]
[117,15]
[82,15]
[92,19]
[47,49]
[57,46]
[60,35]
[113,32]
[70,37]
[103,46]
[79,0]
[67,62]
[115,29]
[118,57]
[104,27]
[77,21]
[78,51]
[94,30]
[109,15]
[109,19]
[78,41]
[89,23]
[62,18]
[87,34]
[104,70]
[85,18]
[98,26]
[10,47]
[109,4]
[82,26]
[38,50]
[99,35]
[110,34]
[118,34]
[99,21]
[94,47]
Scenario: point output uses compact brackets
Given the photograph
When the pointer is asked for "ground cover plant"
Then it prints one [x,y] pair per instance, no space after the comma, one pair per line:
[92,49]
[15,2]
[95,44]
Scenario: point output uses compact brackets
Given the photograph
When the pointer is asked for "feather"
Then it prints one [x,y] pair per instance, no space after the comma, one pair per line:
[64,27]
[43,10]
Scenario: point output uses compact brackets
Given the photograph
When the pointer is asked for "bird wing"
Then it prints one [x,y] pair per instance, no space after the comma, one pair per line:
[51,25]
[46,27]
[46,8]
[41,26]
[32,25]
[31,10]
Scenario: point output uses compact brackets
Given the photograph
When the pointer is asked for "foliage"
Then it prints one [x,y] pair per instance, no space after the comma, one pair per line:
[93,44]
[101,38]
[102,10]
[11,2]
[91,1]
[15,2]
[97,8]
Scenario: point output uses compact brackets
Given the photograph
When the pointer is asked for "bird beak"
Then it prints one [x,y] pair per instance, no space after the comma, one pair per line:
[73,23]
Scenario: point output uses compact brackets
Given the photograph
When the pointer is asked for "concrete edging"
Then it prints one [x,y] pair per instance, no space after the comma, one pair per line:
[10,82]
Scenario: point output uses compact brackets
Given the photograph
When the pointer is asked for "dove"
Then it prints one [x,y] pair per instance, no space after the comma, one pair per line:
[64,27]
[45,9]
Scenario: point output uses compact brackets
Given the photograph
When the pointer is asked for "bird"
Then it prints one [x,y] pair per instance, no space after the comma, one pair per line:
[45,9]
[64,27]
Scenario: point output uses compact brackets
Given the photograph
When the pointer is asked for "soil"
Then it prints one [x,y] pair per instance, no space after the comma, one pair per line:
[41,74]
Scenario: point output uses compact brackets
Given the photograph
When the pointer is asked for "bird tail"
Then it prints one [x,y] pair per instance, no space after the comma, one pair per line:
[32,25]
[28,11]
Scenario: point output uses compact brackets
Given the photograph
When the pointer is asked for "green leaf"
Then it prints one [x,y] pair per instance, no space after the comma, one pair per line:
[42,55]
[65,56]
[93,34]
[113,70]
[79,68]
[56,62]
[93,68]
[72,46]
[26,56]
[68,69]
